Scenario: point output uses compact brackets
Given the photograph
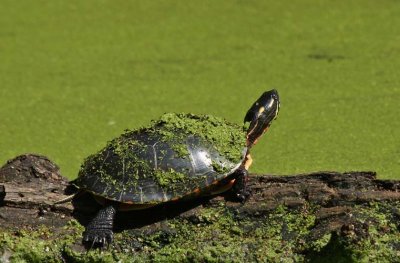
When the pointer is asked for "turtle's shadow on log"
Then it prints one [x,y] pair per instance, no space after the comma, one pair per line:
[86,207]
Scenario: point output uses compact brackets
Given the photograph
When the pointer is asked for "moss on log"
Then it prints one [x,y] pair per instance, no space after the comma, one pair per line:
[318,217]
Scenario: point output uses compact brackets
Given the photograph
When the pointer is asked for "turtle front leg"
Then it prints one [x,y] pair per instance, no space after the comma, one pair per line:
[240,189]
[99,231]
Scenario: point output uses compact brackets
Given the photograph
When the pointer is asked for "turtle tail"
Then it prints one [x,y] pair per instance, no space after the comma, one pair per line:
[70,191]
[71,188]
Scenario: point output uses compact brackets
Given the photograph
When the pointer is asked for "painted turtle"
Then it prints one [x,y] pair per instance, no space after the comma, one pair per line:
[178,157]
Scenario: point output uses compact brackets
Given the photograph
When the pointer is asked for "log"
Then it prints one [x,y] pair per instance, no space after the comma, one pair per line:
[321,216]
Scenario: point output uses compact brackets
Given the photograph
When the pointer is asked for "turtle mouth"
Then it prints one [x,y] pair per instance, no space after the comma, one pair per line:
[278,104]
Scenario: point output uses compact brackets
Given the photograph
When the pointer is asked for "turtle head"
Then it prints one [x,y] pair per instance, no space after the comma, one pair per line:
[260,115]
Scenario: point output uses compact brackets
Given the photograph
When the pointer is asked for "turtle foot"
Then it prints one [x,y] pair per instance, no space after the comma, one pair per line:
[241,192]
[97,238]
[243,195]
[98,232]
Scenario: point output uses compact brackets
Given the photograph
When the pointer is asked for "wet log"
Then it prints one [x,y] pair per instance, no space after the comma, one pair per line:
[308,217]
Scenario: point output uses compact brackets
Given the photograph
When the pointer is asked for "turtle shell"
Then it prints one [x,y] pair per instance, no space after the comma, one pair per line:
[167,160]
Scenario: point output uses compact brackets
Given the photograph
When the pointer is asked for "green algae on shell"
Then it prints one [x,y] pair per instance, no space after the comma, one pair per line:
[132,168]
[167,178]
[227,138]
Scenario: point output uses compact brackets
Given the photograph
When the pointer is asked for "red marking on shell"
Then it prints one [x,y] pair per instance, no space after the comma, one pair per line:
[216,182]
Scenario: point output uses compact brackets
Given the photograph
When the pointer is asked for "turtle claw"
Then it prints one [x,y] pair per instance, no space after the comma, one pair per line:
[97,238]
[243,195]
[98,233]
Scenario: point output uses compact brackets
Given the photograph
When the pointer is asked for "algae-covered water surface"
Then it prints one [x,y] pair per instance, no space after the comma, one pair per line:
[75,74]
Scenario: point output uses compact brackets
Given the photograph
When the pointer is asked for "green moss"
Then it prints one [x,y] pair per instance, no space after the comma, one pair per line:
[381,223]
[377,228]
[39,245]
[94,256]
[332,250]
[218,234]
[47,245]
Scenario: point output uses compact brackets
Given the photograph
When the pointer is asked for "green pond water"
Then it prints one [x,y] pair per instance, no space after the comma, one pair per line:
[75,74]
